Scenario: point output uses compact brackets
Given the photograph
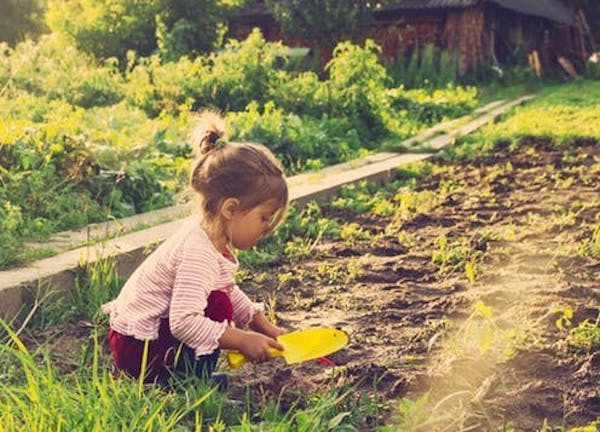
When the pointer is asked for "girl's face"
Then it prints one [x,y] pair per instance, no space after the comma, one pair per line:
[246,228]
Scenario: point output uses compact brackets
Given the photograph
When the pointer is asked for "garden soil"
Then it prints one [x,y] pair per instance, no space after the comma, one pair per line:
[485,354]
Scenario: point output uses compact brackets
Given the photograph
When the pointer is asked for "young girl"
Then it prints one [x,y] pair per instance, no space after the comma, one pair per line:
[182,301]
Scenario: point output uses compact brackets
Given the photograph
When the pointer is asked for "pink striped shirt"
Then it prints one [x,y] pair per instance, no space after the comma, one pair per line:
[175,281]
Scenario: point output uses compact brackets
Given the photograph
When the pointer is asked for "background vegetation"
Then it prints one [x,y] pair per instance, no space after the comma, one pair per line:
[83,139]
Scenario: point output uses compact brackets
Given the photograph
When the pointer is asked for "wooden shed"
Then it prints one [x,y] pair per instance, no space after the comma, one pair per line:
[499,33]
[494,32]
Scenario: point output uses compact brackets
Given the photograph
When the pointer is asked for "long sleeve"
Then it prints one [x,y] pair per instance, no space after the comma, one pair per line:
[196,276]
[175,282]
[243,308]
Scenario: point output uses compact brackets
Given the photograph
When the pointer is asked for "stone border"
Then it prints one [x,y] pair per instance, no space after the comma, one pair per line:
[19,287]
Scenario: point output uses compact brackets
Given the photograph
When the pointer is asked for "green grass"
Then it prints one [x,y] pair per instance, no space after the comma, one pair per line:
[558,116]
[36,396]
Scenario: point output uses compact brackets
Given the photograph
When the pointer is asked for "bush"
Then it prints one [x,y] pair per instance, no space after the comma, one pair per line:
[428,67]
[430,107]
[110,28]
[301,142]
[57,71]
[172,87]
[357,82]
[242,72]
[300,94]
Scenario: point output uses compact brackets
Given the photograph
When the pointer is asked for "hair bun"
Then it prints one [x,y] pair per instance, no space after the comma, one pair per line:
[209,130]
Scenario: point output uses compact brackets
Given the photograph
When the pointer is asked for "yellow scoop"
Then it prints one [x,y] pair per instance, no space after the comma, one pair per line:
[300,346]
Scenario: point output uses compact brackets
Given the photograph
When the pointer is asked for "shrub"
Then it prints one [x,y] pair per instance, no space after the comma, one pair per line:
[357,81]
[57,71]
[300,94]
[242,72]
[301,142]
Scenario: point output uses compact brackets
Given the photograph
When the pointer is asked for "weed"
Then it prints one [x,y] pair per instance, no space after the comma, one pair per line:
[585,338]
[406,239]
[591,246]
[354,269]
[95,284]
[351,232]
[564,316]
[480,333]
[456,255]
[330,273]
[298,248]
[270,308]
[285,279]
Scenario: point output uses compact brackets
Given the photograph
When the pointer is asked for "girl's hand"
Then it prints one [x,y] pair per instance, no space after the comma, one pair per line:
[256,346]
[275,332]
[262,325]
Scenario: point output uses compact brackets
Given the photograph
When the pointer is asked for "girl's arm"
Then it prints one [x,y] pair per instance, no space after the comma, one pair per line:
[261,324]
[253,345]
[246,314]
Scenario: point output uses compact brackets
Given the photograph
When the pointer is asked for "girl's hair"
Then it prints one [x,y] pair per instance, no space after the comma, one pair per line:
[245,171]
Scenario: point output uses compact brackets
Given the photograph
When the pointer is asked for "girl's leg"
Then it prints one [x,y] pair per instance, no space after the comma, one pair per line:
[128,354]
[219,308]
[167,354]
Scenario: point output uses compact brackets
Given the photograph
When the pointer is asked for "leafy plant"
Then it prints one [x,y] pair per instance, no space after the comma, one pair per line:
[111,28]
[585,337]
[458,254]
[591,246]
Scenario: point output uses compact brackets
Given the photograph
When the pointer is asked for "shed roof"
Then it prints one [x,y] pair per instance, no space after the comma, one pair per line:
[553,10]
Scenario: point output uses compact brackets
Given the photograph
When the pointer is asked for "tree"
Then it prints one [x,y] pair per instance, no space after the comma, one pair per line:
[109,28]
[319,19]
[20,18]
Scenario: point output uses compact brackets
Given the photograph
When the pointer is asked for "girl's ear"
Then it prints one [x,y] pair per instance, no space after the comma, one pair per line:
[229,207]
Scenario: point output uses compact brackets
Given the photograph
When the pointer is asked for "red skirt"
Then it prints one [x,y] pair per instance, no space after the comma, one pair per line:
[127,351]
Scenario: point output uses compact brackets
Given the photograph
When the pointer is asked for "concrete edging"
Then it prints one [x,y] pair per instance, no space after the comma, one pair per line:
[19,287]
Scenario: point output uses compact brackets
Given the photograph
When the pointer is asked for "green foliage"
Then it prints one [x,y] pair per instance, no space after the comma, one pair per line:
[590,246]
[371,198]
[427,67]
[427,71]
[111,28]
[357,81]
[20,19]
[296,238]
[447,69]
[360,198]
[319,19]
[411,76]
[301,94]
[585,337]
[106,28]
[351,233]
[51,69]
[557,116]
[301,142]
[37,395]
[242,72]
[83,140]
[431,107]
[168,88]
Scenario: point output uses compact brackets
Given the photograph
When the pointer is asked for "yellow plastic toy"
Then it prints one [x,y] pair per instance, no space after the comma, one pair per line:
[301,346]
